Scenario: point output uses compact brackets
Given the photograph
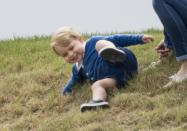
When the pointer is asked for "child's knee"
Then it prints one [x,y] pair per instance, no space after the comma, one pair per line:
[103,43]
[95,85]
[107,83]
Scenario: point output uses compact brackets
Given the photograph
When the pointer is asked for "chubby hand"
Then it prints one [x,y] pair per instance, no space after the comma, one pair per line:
[147,39]
[65,91]
[162,50]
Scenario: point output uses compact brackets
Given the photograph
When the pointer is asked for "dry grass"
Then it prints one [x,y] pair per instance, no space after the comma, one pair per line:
[30,79]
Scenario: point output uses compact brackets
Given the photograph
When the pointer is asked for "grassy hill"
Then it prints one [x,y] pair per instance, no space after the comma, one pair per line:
[31,76]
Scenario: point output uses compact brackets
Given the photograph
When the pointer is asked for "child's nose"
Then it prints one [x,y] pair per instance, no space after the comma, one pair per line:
[70,54]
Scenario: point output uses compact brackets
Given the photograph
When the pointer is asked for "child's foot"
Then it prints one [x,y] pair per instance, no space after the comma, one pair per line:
[93,105]
[112,54]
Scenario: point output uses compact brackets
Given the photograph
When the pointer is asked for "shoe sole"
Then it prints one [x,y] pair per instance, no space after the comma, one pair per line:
[88,106]
[112,55]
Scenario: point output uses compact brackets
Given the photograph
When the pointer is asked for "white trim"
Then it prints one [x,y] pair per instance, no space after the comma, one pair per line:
[109,47]
[80,64]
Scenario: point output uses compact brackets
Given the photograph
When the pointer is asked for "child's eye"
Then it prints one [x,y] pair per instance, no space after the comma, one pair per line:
[71,48]
[64,55]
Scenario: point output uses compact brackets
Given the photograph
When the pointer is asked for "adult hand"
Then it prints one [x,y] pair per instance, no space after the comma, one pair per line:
[147,39]
[162,50]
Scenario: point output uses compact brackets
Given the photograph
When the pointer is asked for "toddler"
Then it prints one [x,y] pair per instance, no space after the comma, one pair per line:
[103,60]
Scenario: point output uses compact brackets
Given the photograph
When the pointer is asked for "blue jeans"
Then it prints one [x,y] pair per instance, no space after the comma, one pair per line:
[173,15]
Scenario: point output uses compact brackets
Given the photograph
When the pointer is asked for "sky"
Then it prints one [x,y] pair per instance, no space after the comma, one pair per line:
[25,18]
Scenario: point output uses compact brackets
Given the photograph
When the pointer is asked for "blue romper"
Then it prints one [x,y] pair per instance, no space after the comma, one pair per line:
[96,68]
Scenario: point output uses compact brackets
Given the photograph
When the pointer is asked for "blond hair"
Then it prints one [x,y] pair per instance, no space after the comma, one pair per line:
[64,36]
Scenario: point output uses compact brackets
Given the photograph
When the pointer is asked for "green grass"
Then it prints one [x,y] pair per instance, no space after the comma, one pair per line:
[31,76]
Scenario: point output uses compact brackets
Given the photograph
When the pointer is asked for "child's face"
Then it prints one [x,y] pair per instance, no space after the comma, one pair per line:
[73,52]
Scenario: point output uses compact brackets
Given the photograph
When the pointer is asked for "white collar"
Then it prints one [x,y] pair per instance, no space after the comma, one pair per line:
[80,63]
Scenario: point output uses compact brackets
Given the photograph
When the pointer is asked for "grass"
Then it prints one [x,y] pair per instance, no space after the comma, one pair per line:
[31,76]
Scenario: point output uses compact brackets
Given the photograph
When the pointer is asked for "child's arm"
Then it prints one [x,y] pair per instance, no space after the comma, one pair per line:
[124,40]
[147,39]
[77,76]
[68,87]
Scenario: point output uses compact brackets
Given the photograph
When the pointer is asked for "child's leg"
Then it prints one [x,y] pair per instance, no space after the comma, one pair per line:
[108,51]
[100,87]
[99,93]
[102,44]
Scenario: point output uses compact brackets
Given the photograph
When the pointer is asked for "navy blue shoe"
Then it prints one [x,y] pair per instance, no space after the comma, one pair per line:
[112,54]
[92,105]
